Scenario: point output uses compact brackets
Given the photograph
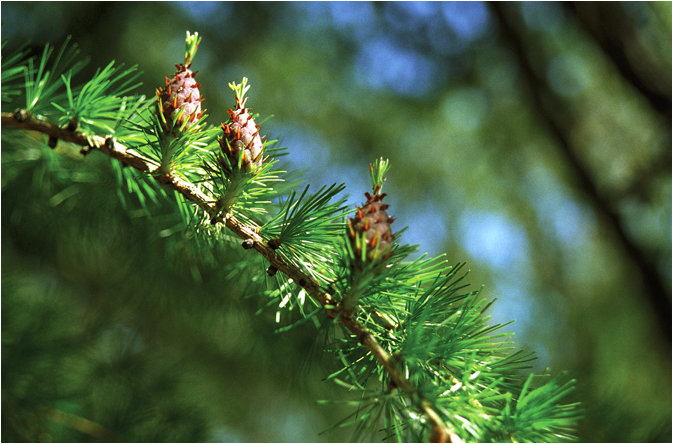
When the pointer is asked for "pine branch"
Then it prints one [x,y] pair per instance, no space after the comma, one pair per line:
[251,240]
[409,324]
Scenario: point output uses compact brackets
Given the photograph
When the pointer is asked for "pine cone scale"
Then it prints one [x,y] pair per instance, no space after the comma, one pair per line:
[241,141]
[371,224]
[180,95]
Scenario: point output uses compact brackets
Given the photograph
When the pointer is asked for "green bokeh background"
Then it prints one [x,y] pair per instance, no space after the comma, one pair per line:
[532,140]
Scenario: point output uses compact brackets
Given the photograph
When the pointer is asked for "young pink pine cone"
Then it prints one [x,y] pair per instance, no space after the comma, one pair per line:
[181,93]
[241,142]
[374,222]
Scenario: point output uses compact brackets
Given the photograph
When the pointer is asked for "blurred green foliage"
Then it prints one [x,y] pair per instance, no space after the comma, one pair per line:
[530,139]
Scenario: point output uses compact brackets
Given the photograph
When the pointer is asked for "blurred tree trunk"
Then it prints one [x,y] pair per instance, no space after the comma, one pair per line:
[555,116]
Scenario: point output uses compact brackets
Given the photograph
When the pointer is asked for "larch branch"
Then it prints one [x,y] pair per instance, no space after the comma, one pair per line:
[129,157]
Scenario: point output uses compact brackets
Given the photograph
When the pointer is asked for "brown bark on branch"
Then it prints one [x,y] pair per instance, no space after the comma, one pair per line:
[249,233]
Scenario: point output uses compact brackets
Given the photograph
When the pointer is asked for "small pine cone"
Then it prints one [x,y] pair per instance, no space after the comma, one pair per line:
[241,141]
[372,220]
[181,92]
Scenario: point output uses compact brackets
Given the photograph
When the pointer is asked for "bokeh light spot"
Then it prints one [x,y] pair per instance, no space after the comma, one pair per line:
[354,19]
[542,16]
[568,74]
[493,239]
[465,109]
[384,65]
[560,215]
[205,13]
[426,225]
[469,20]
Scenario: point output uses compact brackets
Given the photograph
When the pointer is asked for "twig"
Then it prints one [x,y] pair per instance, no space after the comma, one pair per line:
[249,234]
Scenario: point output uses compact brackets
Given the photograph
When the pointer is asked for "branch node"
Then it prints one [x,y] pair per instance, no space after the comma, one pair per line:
[21,115]
[271,271]
[53,140]
[109,145]
[73,124]
[110,142]
[274,243]
[248,244]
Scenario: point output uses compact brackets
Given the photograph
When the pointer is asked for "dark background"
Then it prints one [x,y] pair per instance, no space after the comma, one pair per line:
[532,140]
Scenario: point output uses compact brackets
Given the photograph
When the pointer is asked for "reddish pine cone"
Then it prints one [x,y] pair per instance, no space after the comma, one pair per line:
[181,91]
[241,140]
[372,220]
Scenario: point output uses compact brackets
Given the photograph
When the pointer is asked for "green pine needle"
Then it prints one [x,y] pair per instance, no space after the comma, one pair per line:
[182,155]
[191,45]
[100,106]
[377,172]
[305,228]
[240,89]
[537,415]
[133,183]
[44,81]
[13,68]
[246,195]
